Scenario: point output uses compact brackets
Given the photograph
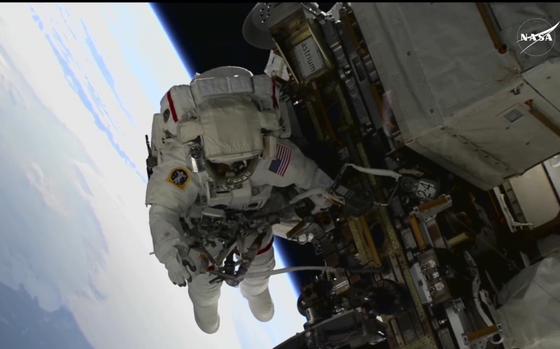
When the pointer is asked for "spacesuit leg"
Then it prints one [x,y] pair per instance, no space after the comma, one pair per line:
[205,296]
[255,290]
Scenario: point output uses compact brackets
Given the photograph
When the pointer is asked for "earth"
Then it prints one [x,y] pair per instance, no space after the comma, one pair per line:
[79,84]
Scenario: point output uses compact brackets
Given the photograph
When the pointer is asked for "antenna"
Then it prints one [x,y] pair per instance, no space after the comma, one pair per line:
[151,161]
[148,145]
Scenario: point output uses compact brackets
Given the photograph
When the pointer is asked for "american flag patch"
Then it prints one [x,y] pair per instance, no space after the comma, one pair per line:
[281,160]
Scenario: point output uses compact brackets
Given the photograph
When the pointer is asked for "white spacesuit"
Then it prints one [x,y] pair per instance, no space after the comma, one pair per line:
[219,148]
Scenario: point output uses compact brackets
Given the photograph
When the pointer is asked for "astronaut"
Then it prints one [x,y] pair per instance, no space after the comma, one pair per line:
[221,148]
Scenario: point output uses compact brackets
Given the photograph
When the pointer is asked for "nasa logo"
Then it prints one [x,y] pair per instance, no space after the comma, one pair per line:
[179,177]
[536,37]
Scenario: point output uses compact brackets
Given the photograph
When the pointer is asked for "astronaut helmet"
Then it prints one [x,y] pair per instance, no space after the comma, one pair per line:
[232,137]
[224,115]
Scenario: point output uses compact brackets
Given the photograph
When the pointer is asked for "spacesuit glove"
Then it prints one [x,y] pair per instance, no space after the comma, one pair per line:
[178,273]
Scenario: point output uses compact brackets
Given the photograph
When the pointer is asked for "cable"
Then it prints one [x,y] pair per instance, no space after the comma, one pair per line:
[291,270]
[476,289]
[373,171]
[300,268]
[314,192]
[486,301]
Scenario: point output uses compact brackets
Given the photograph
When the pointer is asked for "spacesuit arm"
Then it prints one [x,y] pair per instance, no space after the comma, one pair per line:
[306,175]
[172,189]
[165,230]
[171,192]
[304,172]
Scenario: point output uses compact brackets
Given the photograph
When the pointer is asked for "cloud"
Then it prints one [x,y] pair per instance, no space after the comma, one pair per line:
[78,80]
[52,242]
[44,186]
[24,324]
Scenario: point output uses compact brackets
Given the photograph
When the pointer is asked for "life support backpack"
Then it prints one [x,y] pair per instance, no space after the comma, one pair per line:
[234,112]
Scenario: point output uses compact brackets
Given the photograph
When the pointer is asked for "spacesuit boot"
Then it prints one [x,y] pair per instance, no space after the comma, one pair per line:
[261,306]
[207,318]
[255,290]
[205,296]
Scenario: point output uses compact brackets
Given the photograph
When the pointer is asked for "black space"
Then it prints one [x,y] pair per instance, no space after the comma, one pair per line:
[208,35]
